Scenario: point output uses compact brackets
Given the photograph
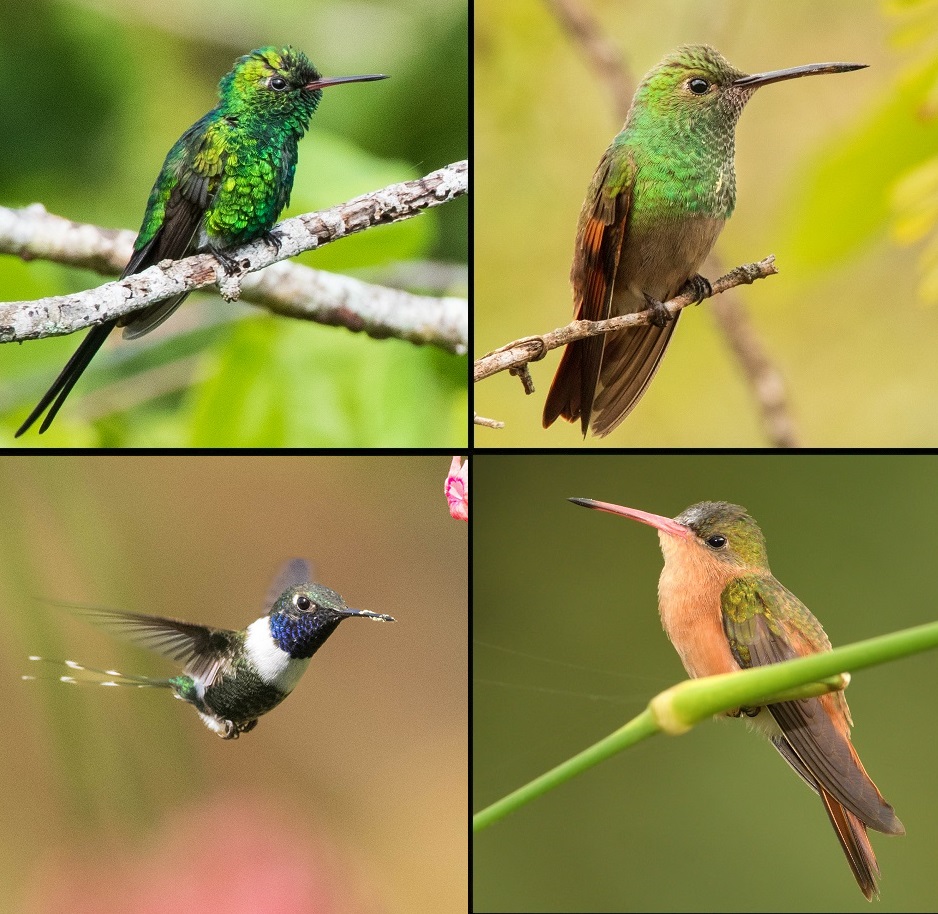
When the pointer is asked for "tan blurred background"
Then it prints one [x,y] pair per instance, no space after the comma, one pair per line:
[349,797]
[818,166]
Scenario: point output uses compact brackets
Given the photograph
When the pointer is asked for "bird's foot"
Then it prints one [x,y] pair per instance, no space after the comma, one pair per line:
[699,286]
[228,277]
[234,730]
[230,264]
[749,712]
[273,238]
[660,315]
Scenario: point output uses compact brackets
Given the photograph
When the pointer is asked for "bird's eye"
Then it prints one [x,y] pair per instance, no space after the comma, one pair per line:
[277,82]
[698,86]
[717,541]
[302,602]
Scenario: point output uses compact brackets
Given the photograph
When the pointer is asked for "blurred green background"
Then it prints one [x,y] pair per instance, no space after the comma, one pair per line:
[348,798]
[96,93]
[567,646]
[823,180]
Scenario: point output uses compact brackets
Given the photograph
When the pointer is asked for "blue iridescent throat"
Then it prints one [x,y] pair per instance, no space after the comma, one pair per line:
[301,636]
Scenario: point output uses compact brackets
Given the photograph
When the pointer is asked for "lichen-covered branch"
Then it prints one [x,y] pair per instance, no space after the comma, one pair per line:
[515,356]
[286,288]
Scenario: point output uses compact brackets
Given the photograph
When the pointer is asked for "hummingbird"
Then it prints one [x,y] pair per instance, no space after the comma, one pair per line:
[224,182]
[230,677]
[659,198]
[724,611]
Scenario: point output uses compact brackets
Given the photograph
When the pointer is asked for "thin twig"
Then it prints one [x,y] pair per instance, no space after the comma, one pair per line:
[766,382]
[532,348]
[290,289]
[488,423]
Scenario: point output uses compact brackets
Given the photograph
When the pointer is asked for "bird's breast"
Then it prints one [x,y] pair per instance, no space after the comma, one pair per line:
[273,664]
[659,256]
[689,592]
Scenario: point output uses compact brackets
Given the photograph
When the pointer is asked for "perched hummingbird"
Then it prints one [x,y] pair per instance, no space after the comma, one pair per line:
[654,209]
[224,183]
[724,611]
[232,677]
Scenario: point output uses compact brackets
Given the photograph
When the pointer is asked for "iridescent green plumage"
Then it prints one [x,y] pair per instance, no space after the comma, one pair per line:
[224,182]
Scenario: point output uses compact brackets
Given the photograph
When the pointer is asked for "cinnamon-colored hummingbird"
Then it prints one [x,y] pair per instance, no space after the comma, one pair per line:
[724,611]
[659,198]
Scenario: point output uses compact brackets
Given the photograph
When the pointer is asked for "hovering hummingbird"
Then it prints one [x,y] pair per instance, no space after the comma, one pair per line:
[224,183]
[724,611]
[231,677]
[657,202]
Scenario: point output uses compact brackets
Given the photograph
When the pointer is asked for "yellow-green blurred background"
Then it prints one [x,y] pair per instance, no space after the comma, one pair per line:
[567,646]
[823,167]
[93,97]
[349,798]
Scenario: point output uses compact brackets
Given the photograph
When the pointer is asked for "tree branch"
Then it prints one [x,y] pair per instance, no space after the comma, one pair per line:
[600,51]
[766,382]
[515,356]
[285,288]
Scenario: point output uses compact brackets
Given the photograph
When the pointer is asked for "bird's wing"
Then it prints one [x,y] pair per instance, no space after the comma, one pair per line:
[182,193]
[600,233]
[293,573]
[186,184]
[766,623]
[200,649]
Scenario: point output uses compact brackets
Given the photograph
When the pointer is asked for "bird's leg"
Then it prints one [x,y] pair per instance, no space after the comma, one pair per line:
[660,315]
[229,277]
[273,238]
[699,286]
[230,264]
[738,712]
[231,730]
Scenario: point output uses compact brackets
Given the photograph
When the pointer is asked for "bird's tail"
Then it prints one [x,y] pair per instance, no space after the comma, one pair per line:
[55,396]
[855,842]
[78,674]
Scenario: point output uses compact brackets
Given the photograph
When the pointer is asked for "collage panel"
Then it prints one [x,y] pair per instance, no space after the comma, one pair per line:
[679,568]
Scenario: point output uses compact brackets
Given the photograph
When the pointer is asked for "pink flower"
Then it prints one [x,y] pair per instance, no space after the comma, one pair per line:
[457,489]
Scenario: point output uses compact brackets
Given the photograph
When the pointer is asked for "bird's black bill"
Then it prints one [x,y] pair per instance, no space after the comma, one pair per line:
[809,69]
[366,614]
[338,80]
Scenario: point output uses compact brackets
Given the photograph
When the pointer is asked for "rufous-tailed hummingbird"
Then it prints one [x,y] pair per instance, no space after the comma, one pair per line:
[657,202]
[225,182]
[724,611]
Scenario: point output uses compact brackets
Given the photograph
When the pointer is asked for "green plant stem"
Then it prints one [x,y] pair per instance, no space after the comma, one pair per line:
[634,731]
[682,706]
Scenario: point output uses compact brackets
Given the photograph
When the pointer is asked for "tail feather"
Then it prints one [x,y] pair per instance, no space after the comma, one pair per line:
[89,675]
[55,396]
[855,843]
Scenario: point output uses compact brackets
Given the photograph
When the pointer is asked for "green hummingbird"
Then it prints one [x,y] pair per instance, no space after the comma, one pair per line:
[230,677]
[225,182]
[658,200]
[723,611]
